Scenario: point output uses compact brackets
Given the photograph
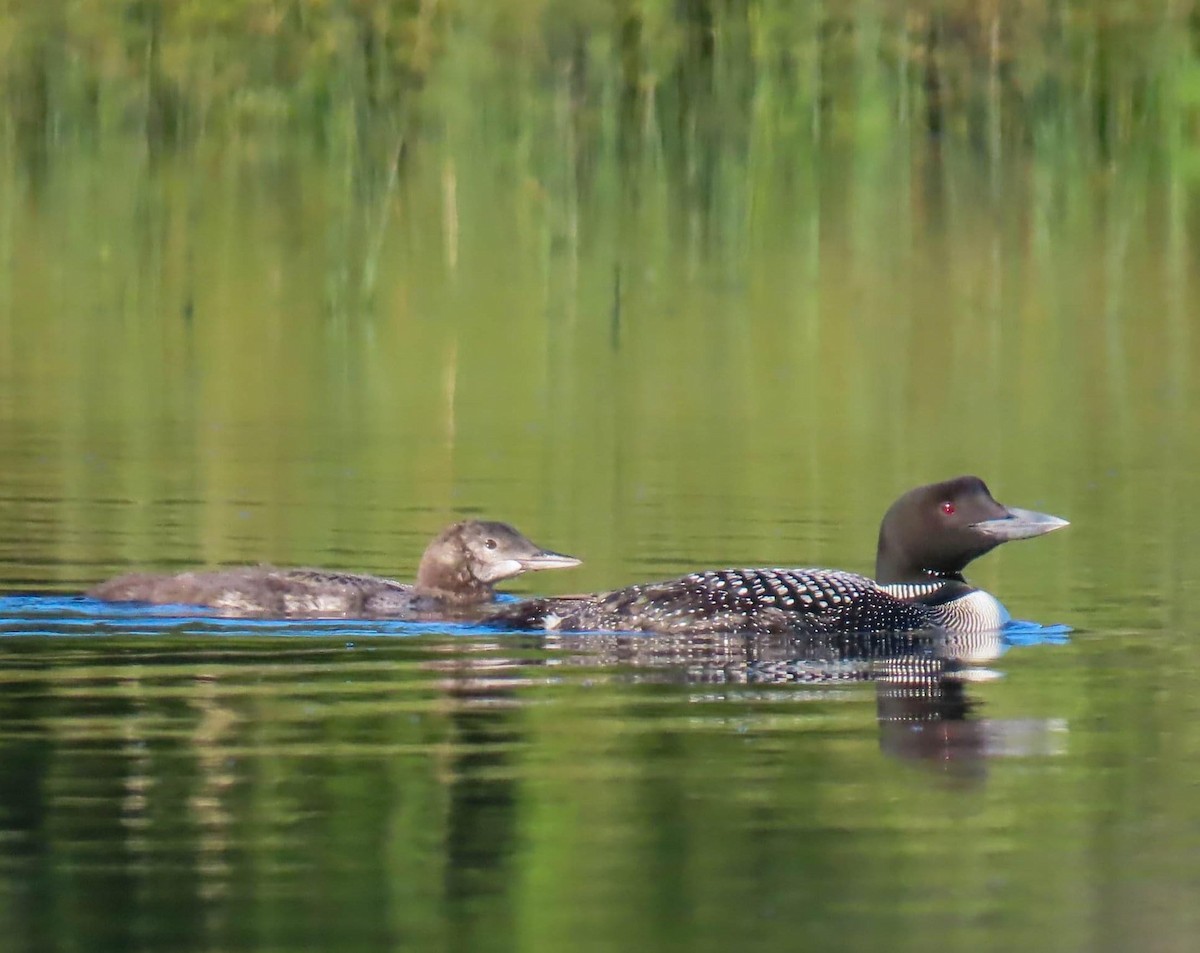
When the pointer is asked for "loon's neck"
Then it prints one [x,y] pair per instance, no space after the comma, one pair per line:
[930,589]
[890,572]
[456,587]
[942,578]
[445,573]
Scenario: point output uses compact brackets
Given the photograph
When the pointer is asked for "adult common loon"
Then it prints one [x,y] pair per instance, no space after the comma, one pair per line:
[926,539]
[454,580]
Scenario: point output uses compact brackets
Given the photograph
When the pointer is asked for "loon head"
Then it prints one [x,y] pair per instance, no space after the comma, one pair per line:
[935,530]
[469,557]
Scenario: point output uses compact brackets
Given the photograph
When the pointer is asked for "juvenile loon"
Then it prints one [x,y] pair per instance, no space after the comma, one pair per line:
[926,539]
[454,580]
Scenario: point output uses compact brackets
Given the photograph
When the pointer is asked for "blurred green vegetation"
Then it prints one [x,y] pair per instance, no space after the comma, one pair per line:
[691,81]
[665,284]
[285,280]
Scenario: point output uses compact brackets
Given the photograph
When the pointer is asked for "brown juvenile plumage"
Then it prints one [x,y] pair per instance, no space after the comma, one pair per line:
[456,575]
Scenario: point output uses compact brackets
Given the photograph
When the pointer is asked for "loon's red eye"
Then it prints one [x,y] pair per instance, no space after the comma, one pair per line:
[948,508]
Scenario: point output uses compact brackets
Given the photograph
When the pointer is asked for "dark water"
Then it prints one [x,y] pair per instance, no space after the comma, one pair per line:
[244,349]
[181,783]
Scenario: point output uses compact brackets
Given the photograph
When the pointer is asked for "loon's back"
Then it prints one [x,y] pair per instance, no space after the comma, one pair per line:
[271,592]
[727,600]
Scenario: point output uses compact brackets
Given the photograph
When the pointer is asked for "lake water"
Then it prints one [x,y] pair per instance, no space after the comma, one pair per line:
[248,350]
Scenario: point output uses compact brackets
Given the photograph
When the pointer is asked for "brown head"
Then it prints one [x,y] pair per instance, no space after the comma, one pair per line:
[467,559]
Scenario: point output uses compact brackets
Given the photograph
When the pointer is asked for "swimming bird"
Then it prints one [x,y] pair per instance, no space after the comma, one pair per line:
[926,539]
[455,580]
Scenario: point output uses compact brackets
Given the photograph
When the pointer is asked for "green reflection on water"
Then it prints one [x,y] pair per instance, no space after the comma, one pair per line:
[260,794]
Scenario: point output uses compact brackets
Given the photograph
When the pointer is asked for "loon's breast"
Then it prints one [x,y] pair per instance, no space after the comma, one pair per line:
[953,605]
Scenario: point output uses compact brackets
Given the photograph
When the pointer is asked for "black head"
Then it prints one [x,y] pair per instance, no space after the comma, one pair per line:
[935,530]
[469,557]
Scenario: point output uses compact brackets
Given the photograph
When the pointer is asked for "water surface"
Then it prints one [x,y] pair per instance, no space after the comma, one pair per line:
[658,332]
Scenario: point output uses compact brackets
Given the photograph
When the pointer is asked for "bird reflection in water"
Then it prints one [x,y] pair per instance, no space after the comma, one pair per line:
[924,709]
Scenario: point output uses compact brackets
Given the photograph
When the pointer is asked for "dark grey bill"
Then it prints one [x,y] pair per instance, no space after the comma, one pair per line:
[1020,524]
[548,560]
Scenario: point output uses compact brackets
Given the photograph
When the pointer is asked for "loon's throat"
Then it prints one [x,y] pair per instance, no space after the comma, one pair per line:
[919,577]
[462,587]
